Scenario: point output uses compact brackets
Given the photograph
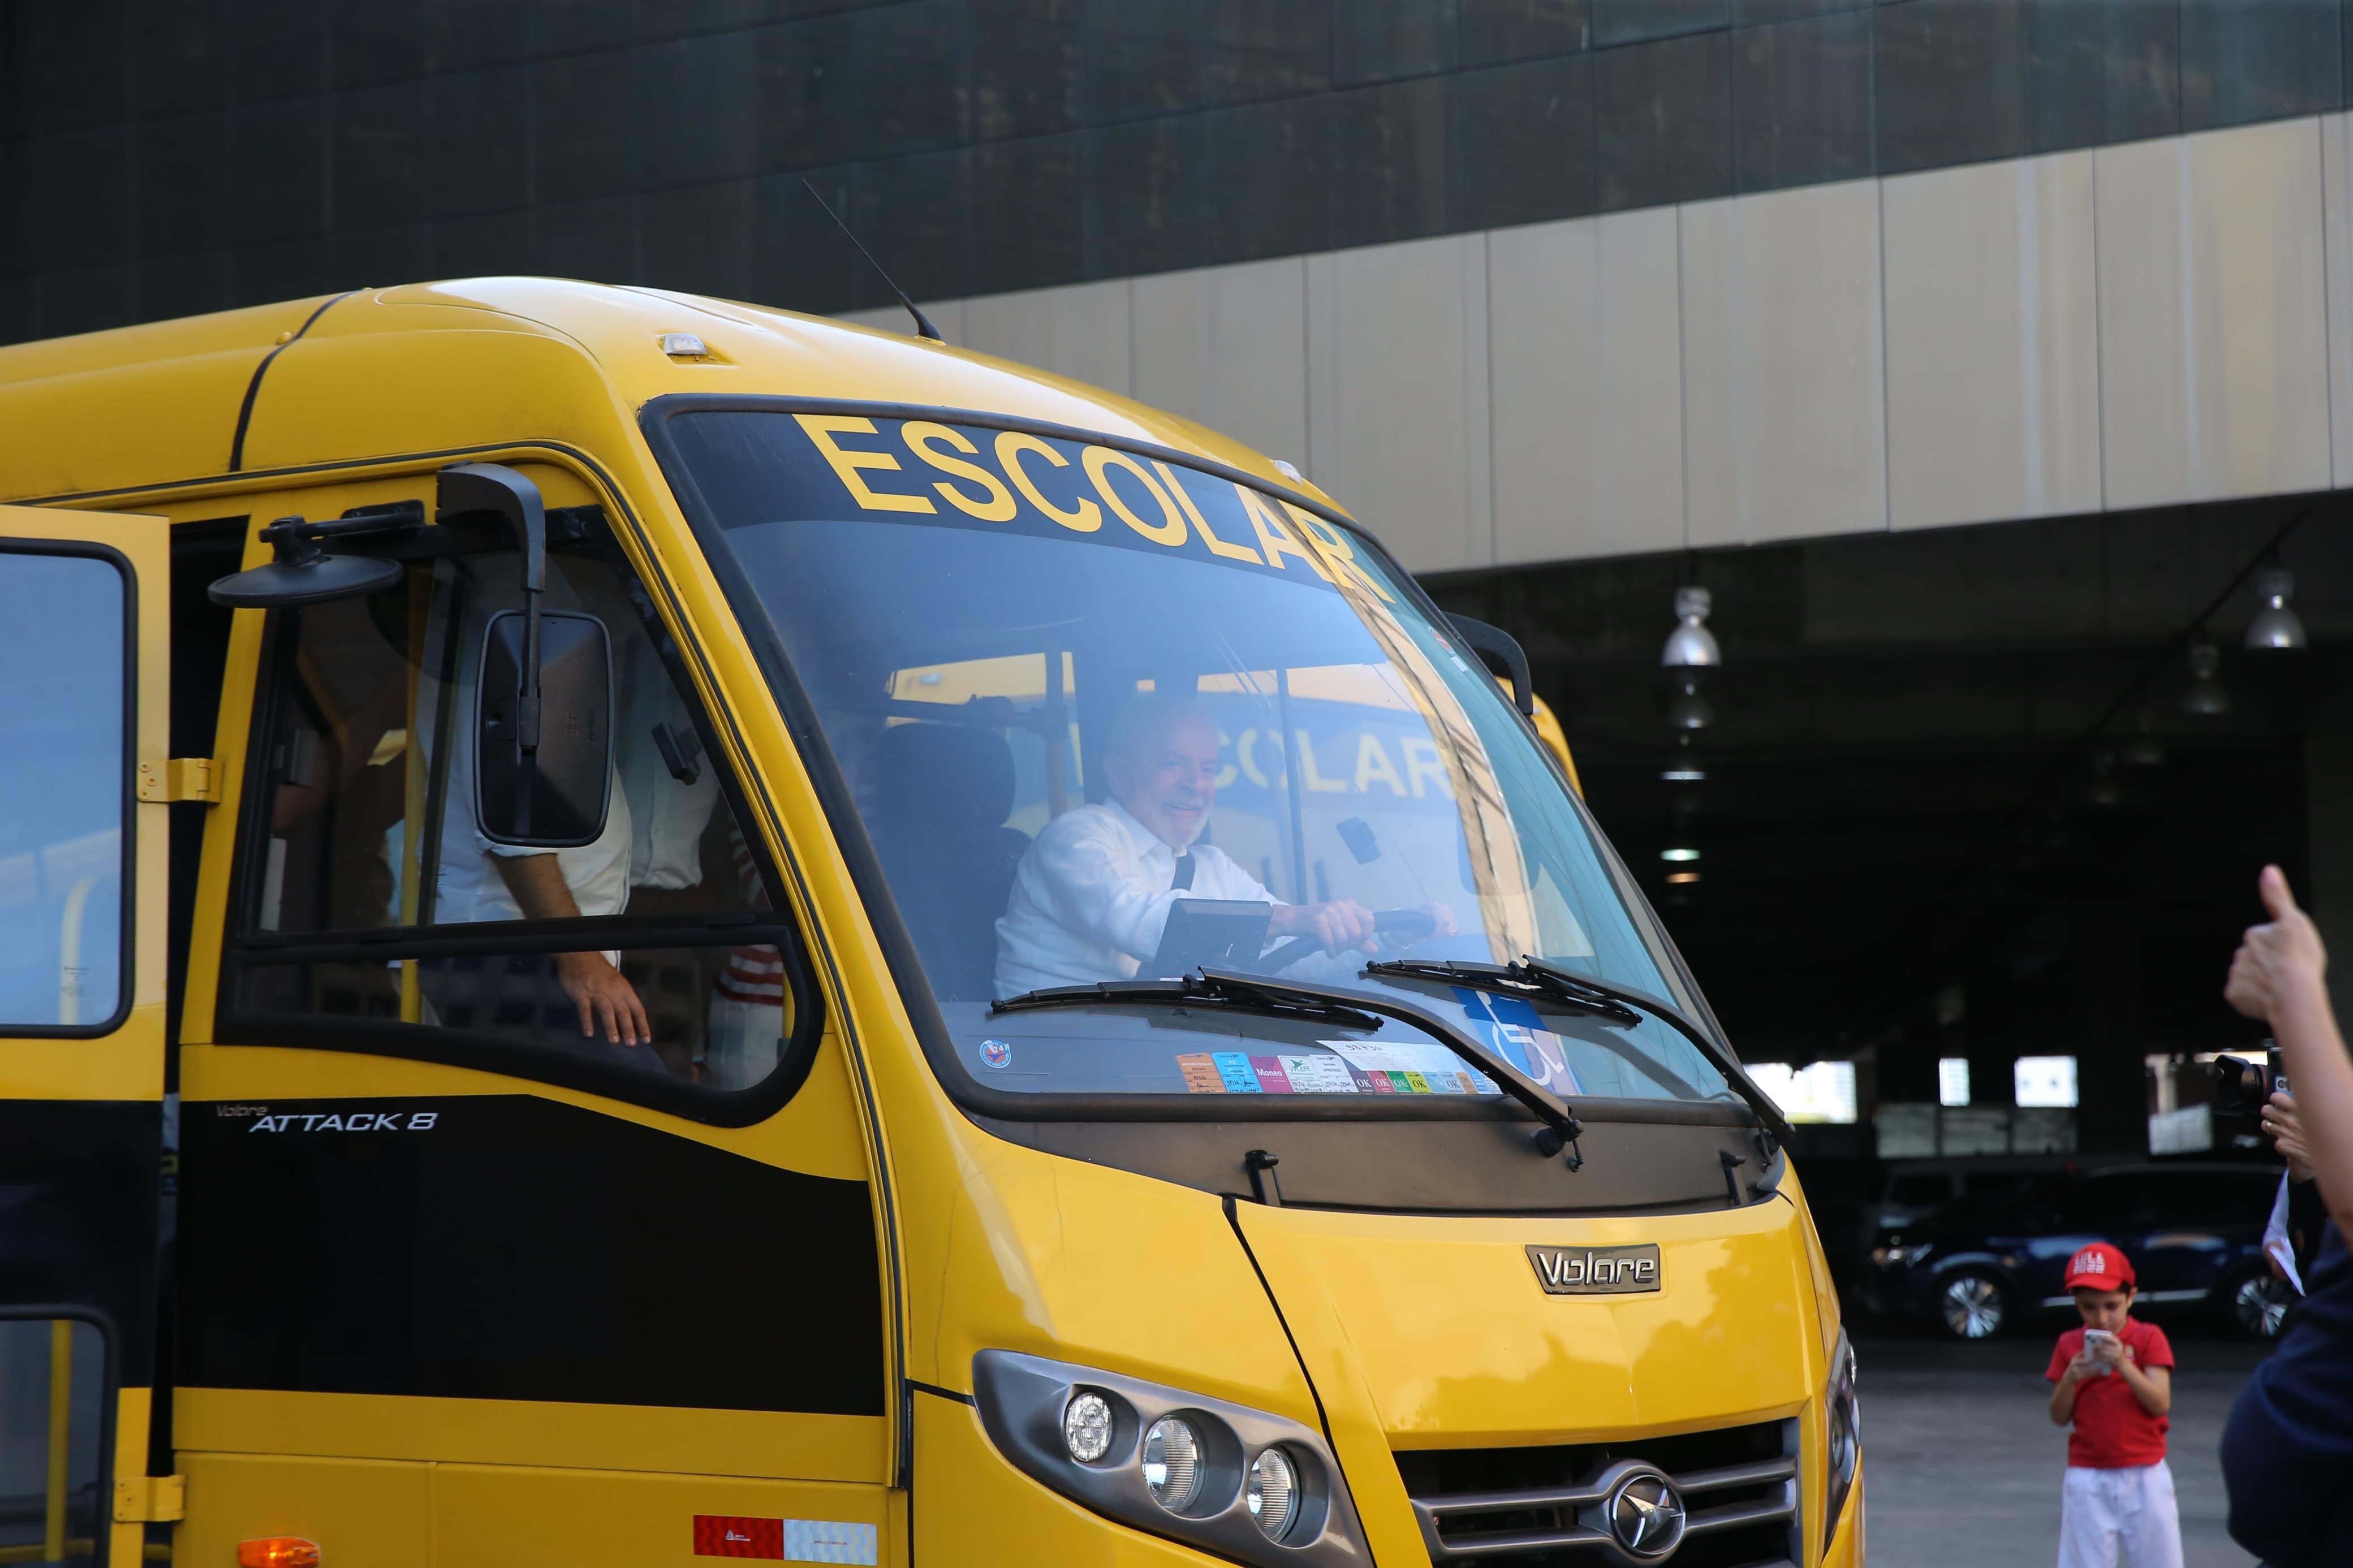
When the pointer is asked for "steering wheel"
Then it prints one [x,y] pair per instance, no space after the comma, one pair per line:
[1412,923]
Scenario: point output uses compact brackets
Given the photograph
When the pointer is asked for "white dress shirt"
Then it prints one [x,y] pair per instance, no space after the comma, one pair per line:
[1092,897]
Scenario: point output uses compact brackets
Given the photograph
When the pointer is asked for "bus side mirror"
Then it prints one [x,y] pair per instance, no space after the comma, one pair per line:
[1501,646]
[554,794]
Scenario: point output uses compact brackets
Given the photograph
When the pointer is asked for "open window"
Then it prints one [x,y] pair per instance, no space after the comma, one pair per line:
[644,957]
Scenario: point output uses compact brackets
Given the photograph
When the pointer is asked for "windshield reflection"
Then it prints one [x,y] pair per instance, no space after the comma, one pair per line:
[1105,718]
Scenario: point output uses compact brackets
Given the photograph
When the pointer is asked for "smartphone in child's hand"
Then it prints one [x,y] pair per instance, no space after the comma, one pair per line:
[2093,1339]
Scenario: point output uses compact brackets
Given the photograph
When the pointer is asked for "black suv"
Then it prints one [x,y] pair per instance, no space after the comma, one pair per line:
[2194,1233]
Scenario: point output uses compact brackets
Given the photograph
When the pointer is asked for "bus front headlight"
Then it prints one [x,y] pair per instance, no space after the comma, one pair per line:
[1842,1435]
[1243,1484]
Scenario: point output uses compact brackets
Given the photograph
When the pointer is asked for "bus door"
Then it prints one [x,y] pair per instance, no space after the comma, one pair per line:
[525,1210]
[84,628]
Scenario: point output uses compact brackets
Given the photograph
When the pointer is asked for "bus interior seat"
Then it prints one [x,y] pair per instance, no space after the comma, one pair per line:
[941,792]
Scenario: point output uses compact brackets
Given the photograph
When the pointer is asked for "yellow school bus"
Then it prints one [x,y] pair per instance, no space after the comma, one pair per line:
[636,928]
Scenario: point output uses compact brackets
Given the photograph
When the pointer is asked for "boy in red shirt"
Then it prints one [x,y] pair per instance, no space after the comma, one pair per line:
[2115,1378]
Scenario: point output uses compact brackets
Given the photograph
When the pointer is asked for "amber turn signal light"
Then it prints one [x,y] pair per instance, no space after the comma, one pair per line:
[278,1552]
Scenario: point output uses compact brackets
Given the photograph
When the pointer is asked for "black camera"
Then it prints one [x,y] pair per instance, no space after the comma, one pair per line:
[2242,1084]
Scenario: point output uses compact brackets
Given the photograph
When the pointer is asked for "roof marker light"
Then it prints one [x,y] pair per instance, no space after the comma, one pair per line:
[684,345]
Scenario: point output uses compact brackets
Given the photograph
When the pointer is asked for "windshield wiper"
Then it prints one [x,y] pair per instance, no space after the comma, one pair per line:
[1323,1004]
[1614,1004]
[1202,988]
[1565,991]
[1561,1129]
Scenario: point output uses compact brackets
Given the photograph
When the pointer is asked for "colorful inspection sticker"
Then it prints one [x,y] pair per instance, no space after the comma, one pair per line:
[1271,1078]
[1412,1068]
[1318,1075]
[1235,1071]
[997,1053]
[1201,1073]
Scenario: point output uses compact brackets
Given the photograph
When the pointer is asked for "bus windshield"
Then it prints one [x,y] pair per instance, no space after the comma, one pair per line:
[1105,717]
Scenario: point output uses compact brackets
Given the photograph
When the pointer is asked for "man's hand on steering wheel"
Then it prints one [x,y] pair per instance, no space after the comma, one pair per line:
[1339,925]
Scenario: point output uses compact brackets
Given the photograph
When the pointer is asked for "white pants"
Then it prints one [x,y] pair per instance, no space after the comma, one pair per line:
[2100,1510]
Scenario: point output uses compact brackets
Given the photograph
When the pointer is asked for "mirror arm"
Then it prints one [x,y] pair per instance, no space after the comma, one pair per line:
[497,488]
[1491,639]
[494,488]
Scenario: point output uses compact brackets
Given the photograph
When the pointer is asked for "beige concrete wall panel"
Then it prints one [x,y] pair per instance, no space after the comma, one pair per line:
[1586,343]
[1080,329]
[1398,396]
[2213,363]
[1227,347]
[1993,370]
[1783,409]
[2336,247]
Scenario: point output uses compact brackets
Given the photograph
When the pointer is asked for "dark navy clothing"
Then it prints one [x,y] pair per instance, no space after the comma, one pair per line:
[2287,1451]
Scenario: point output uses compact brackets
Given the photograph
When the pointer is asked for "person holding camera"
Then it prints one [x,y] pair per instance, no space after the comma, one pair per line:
[2112,1381]
[2287,1450]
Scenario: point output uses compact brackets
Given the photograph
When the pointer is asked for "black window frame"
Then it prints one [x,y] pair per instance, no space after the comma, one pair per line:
[128,871]
[110,1399]
[246,946]
[904,961]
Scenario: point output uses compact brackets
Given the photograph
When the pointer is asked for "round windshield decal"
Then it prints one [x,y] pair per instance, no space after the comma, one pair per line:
[996,1053]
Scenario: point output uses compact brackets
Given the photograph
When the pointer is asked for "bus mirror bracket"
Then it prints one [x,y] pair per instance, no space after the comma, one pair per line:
[1501,646]
[301,570]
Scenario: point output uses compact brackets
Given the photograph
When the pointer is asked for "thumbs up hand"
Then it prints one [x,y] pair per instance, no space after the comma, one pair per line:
[2276,960]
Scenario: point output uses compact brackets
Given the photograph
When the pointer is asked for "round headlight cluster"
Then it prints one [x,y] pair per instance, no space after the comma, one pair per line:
[1274,1493]
[1842,1432]
[1172,1463]
[1086,1426]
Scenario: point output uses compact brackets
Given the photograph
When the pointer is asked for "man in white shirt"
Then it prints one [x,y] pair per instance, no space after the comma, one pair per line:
[480,880]
[1091,895]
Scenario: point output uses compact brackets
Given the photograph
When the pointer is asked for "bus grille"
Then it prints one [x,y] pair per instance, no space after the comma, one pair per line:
[1541,1507]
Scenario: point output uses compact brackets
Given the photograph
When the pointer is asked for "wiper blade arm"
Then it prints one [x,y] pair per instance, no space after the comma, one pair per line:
[1200,989]
[1666,1012]
[1616,1003]
[1557,986]
[1561,1127]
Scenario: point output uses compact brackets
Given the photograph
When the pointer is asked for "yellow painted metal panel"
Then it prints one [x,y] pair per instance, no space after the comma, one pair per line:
[368,1515]
[137,405]
[503,1516]
[565,1437]
[1101,1267]
[1458,1345]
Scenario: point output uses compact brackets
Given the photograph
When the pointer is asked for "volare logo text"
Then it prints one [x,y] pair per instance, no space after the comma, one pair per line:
[1595,1270]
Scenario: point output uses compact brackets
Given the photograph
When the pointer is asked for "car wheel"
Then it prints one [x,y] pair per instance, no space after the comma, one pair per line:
[2257,1301]
[1973,1305]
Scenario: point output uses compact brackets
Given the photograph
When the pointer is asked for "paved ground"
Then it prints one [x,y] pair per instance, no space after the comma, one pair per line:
[1962,1463]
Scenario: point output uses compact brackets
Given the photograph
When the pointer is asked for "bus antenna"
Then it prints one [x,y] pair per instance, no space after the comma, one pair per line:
[924,328]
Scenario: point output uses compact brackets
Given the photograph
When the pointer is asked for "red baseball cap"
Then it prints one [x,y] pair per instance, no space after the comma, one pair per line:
[2099,1267]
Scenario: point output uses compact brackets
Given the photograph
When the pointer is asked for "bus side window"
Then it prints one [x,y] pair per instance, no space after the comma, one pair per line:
[63,722]
[369,886]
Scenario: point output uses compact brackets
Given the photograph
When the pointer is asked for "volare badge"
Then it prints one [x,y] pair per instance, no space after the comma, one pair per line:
[1596,1270]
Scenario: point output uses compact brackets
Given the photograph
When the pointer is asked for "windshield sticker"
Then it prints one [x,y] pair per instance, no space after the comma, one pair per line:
[1201,1076]
[970,476]
[996,1053]
[1272,1079]
[1516,1029]
[1235,1071]
[1413,1069]
[1318,1075]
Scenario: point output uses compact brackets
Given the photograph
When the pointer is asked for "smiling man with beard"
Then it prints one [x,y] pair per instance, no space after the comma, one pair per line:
[1093,894]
